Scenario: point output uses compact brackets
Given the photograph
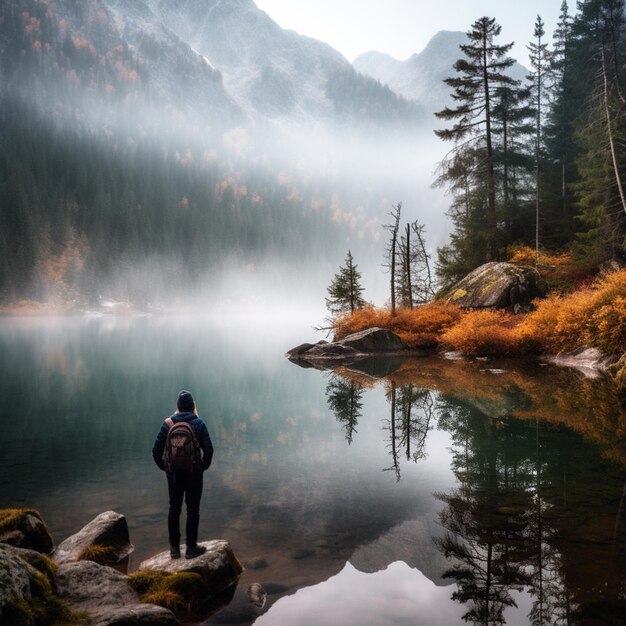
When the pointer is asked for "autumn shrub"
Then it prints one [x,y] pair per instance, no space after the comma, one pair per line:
[558,270]
[594,316]
[483,333]
[418,328]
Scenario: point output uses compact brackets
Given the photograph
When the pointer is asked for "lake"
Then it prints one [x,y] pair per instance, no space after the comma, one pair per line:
[398,492]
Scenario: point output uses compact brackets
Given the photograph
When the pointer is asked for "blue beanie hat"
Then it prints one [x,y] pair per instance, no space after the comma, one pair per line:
[185,401]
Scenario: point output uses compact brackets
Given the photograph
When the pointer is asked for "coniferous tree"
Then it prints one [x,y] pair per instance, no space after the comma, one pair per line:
[472,165]
[345,291]
[601,41]
[560,143]
[538,54]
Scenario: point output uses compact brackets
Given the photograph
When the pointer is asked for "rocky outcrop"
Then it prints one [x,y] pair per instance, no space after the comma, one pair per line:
[366,342]
[24,528]
[589,361]
[27,589]
[105,594]
[496,286]
[33,587]
[108,531]
[15,579]
[218,566]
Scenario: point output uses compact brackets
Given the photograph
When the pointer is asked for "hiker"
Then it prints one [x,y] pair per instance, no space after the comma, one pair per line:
[183,449]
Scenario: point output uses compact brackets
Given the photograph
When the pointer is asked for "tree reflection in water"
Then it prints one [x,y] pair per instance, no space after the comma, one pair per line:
[539,461]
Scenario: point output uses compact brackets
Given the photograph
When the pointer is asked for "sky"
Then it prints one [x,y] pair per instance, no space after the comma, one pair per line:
[403,27]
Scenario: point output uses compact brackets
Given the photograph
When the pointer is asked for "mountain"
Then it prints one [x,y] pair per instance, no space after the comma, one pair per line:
[420,77]
[278,73]
[214,60]
[93,58]
[146,145]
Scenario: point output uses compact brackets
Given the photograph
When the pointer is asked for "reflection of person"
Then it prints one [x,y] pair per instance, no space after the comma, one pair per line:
[185,484]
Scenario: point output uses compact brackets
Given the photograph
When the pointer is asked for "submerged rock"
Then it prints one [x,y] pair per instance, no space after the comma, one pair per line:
[256,594]
[496,286]
[589,361]
[108,530]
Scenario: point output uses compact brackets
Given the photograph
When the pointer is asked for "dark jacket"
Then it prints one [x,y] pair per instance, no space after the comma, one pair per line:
[202,434]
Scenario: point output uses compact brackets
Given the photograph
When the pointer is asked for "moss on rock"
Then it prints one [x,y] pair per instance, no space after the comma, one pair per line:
[181,592]
[25,528]
[29,597]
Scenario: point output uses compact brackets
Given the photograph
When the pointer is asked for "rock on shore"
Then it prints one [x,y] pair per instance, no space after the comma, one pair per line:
[32,583]
[496,286]
[366,342]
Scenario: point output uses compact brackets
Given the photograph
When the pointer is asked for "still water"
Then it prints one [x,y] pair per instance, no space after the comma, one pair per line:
[419,492]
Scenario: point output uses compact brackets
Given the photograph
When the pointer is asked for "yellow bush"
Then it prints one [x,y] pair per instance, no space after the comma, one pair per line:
[557,269]
[418,328]
[483,333]
[595,316]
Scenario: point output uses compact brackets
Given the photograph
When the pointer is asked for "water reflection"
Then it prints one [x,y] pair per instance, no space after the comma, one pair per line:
[527,465]
[535,511]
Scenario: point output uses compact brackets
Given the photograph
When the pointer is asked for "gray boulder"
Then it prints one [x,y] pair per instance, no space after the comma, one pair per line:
[218,566]
[109,529]
[366,342]
[27,589]
[496,286]
[15,578]
[373,340]
[105,594]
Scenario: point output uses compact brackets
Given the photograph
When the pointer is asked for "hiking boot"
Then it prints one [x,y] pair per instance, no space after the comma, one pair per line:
[175,552]
[193,551]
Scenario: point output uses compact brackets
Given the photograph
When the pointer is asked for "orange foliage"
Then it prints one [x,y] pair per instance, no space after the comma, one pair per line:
[595,316]
[418,328]
[556,269]
[484,333]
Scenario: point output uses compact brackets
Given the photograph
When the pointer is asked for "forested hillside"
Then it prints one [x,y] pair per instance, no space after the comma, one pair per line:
[540,162]
[128,169]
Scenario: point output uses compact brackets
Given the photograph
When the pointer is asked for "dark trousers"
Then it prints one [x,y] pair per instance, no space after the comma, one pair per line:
[187,485]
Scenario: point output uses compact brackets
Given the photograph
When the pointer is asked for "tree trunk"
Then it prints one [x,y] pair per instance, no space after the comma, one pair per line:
[607,113]
[407,266]
[491,189]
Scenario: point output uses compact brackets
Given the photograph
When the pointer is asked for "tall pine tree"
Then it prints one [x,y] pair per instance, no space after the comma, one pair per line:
[470,171]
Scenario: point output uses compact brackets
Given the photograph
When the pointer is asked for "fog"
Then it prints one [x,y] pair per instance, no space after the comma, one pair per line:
[273,203]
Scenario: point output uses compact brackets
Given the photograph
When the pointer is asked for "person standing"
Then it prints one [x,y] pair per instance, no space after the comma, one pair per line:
[183,449]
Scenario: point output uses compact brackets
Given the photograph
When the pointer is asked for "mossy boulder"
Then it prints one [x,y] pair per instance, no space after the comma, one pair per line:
[104,540]
[194,588]
[106,596]
[25,528]
[28,590]
[496,286]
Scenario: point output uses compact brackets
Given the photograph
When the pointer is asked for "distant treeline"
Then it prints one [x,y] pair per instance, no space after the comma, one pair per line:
[79,207]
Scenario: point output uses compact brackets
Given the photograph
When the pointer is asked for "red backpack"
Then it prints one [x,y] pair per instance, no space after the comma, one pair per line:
[181,447]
